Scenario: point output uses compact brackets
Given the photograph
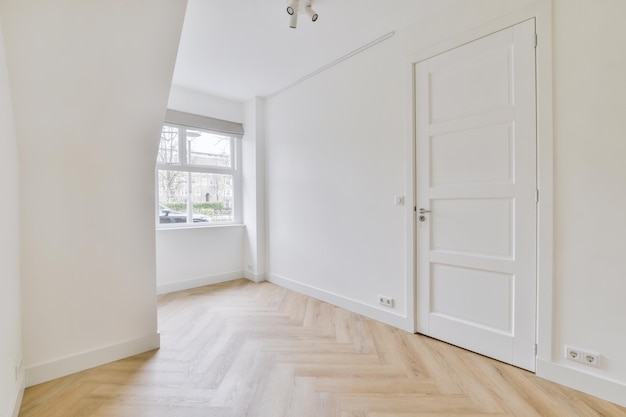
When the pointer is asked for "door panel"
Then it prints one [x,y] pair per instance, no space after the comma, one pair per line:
[452,232]
[472,81]
[487,151]
[476,179]
[450,284]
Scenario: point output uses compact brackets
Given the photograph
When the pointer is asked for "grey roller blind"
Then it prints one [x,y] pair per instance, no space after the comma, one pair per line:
[208,123]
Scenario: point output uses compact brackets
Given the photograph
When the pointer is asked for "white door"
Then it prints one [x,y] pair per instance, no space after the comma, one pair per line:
[476,180]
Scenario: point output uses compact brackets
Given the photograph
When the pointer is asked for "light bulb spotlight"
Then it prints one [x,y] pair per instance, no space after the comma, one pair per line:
[292,7]
[311,13]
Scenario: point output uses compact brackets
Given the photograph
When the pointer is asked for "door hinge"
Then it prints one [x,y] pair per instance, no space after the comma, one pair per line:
[536,195]
[535,40]
[535,349]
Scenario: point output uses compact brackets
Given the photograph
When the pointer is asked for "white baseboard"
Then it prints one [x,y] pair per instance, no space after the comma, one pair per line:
[393,319]
[198,282]
[17,402]
[254,277]
[86,360]
[595,385]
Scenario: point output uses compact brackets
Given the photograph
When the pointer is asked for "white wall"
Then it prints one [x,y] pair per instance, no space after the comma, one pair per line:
[90,82]
[590,179]
[191,257]
[336,156]
[10,311]
[335,161]
[196,102]
[253,184]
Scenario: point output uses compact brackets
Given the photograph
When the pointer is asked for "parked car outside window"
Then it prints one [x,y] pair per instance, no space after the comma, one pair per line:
[167,215]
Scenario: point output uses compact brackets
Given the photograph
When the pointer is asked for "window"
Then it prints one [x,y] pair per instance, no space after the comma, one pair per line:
[197,172]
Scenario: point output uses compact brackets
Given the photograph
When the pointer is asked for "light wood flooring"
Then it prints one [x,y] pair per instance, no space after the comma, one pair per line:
[245,349]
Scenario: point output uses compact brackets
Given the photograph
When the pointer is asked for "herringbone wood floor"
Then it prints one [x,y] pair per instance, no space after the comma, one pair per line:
[245,349]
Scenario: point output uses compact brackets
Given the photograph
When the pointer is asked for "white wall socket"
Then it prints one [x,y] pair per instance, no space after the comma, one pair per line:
[582,356]
[385,301]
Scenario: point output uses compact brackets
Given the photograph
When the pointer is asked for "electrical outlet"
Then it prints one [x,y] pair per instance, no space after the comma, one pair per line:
[385,301]
[573,354]
[591,359]
[582,356]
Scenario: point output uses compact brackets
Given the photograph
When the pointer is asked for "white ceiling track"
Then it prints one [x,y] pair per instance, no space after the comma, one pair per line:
[335,62]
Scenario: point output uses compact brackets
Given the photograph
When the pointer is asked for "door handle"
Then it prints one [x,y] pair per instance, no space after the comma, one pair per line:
[424,211]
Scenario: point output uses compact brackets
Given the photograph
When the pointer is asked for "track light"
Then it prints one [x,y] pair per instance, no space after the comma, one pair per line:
[293,20]
[311,12]
[292,7]
[292,10]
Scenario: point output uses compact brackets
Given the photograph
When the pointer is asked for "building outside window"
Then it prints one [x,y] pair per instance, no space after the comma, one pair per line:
[197,171]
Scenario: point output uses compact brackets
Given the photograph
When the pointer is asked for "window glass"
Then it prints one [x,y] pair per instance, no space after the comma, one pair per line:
[214,198]
[173,189]
[168,146]
[208,149]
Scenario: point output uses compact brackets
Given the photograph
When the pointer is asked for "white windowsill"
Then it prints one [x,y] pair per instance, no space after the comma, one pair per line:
[194,227]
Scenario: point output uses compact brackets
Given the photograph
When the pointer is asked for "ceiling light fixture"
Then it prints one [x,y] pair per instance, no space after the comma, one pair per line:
[310,12]
[292,11]
[292,7]
[293,20]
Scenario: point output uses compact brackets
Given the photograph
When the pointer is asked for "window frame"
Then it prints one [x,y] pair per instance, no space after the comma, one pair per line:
[183,166]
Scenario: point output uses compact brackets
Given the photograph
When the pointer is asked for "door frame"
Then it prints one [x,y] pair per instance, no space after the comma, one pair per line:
[541,11]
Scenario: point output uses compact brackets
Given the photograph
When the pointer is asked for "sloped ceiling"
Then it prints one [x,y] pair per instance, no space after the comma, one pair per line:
[240,49]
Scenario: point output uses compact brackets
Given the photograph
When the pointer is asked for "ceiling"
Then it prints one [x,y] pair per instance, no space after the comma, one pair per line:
[240,49]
